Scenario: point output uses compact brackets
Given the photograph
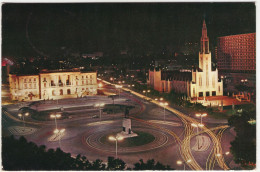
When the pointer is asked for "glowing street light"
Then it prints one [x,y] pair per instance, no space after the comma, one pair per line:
[164,104]
[201,115]
[100,85]
[21,115]
[59,133]
[197,126]
[117,138]
[99,105]
[179,162]
[55,116]
[161,99]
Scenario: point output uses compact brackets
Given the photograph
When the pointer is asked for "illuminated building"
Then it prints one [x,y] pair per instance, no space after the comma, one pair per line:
[200,82]
[237,53]
[49,85]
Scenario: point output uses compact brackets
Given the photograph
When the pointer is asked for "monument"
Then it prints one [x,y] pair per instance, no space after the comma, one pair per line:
[127,130]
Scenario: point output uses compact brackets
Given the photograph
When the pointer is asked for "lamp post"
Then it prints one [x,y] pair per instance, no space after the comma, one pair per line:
[22,115]
[99,105]
[201,115]
[55,116]
[146,91]
[112,138]
[179,162]
[118,87]
[164,104]
[226,153]
[57,131]
[197,126]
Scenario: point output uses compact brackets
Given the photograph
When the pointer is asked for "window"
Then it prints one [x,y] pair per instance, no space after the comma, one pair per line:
[82,82]
[30,86]
[34,79]
[53,92]
[45,85]
[61,91]
[25,80]
[25,86]
[68,91]
[44,80]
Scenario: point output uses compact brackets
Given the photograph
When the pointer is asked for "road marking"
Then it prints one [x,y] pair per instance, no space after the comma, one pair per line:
[165,122]
[56,137]
[20,131]
[100,123]
[202,143]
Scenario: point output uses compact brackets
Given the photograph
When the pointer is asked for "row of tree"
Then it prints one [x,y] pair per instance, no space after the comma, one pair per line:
[243,147]
[19,154]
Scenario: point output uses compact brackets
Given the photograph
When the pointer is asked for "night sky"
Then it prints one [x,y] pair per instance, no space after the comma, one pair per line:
[53,29]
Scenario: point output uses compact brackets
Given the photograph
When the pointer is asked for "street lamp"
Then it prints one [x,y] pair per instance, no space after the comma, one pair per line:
[179,162]
[59,132]
[118,87]
[117,138]
[146,91]
[100,85]
[21,115]
[55,116]
[164,104]
[99,105]
[197,126]
[201,115]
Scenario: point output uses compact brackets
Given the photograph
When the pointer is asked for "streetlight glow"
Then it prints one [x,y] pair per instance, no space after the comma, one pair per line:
[179,162]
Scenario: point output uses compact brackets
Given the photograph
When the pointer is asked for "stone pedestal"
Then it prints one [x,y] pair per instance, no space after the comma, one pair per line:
[127,131]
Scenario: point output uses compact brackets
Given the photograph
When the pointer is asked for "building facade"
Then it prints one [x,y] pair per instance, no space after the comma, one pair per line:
[237,53]
[200,82]
[48,85]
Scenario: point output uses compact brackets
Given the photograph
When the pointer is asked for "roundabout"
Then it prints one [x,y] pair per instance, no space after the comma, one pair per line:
[147,139]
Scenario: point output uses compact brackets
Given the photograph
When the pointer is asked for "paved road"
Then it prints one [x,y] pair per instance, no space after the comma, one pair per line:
[180,135]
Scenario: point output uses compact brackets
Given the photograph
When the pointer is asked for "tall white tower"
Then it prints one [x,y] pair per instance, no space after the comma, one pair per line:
[204,80]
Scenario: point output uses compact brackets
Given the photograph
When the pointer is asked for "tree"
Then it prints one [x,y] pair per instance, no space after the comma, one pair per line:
[115,164]
[150,165]
[243,147]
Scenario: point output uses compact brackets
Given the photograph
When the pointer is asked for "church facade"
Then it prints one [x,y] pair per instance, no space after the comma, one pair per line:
[200,82]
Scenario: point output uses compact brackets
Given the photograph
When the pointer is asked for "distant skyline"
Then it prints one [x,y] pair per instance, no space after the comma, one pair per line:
[54,29]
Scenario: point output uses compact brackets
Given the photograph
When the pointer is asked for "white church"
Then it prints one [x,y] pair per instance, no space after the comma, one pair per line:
[201,82]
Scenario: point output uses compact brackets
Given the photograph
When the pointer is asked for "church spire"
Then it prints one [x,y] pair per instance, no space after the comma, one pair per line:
[204,41]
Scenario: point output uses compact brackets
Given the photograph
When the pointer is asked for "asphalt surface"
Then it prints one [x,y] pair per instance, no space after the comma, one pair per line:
[82,126]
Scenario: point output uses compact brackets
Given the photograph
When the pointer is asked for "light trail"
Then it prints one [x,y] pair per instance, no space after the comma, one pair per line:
[185,144]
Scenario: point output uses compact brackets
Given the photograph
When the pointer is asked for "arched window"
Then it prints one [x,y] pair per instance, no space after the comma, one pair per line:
[53,92]
[61,91]
[68,91]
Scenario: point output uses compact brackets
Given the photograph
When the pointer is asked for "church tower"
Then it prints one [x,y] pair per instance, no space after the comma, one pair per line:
[204,80]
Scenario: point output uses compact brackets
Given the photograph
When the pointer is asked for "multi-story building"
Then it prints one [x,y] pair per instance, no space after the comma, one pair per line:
[48,85]
[237,53]
[201,82]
